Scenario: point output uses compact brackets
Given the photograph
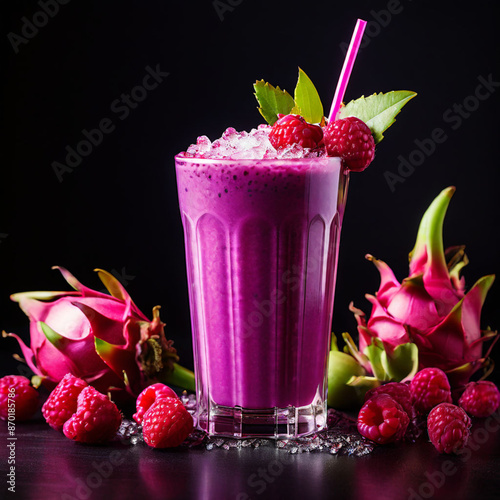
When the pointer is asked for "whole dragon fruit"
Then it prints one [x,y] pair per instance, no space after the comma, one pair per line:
[103,339]
[430,307]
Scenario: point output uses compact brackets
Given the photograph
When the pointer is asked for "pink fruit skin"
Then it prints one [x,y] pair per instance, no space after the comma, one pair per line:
[78,318]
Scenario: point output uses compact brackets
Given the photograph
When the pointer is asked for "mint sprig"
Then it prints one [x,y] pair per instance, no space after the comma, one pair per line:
[378,111]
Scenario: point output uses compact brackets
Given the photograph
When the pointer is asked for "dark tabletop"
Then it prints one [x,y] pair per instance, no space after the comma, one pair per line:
[50,466]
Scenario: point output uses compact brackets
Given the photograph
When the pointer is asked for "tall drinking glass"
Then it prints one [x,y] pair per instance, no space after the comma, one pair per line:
[262,240]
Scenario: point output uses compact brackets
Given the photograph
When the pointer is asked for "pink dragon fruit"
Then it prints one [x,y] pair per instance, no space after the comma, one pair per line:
[103,339]
[430,307]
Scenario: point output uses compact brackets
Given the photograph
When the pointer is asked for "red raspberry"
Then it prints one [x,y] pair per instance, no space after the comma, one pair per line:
[429,387]
[17,395]
[448,427]
[149,396]
[63,401]
[382,419]
[480,399]
[352,140]
[293,129]
[96,419]
[398,391]
[167,423]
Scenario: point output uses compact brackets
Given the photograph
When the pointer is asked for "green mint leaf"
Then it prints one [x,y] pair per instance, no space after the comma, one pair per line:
[378,111]
[272,100]
[307,101]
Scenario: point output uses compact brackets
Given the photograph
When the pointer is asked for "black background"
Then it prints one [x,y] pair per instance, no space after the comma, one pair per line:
[118,210]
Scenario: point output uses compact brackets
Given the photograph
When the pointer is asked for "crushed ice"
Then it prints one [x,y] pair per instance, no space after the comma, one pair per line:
[130,432]
[246,146]
[340,438]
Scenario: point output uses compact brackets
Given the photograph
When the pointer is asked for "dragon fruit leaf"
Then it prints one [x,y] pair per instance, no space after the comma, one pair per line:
[358,314]
[117,290]
[462,324]
[37,381]
[402,362]
[114,287]
[472,304]
[57,340]
[74,283]
[29,357]
[374,353]
[102,327]
[351,348]
[486,336]
[333,343]
[179,376]
[363,381]
[45,296]
[455,256]
[33,308]
[119,360]
[387,278]
[61,344]
[458,282]
[428,251]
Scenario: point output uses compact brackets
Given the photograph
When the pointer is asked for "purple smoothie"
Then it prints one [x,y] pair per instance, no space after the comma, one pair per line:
[261,242]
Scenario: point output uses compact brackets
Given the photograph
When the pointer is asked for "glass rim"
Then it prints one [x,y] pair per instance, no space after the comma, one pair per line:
[269,161]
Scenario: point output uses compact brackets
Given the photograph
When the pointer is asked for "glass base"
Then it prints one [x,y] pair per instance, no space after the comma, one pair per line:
[272,423]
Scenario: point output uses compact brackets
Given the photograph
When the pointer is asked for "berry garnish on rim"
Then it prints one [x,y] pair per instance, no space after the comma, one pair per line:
[351,133]
[293,129]
[352,140]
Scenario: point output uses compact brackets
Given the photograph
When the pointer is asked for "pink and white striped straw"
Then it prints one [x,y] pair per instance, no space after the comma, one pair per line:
[347,68]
